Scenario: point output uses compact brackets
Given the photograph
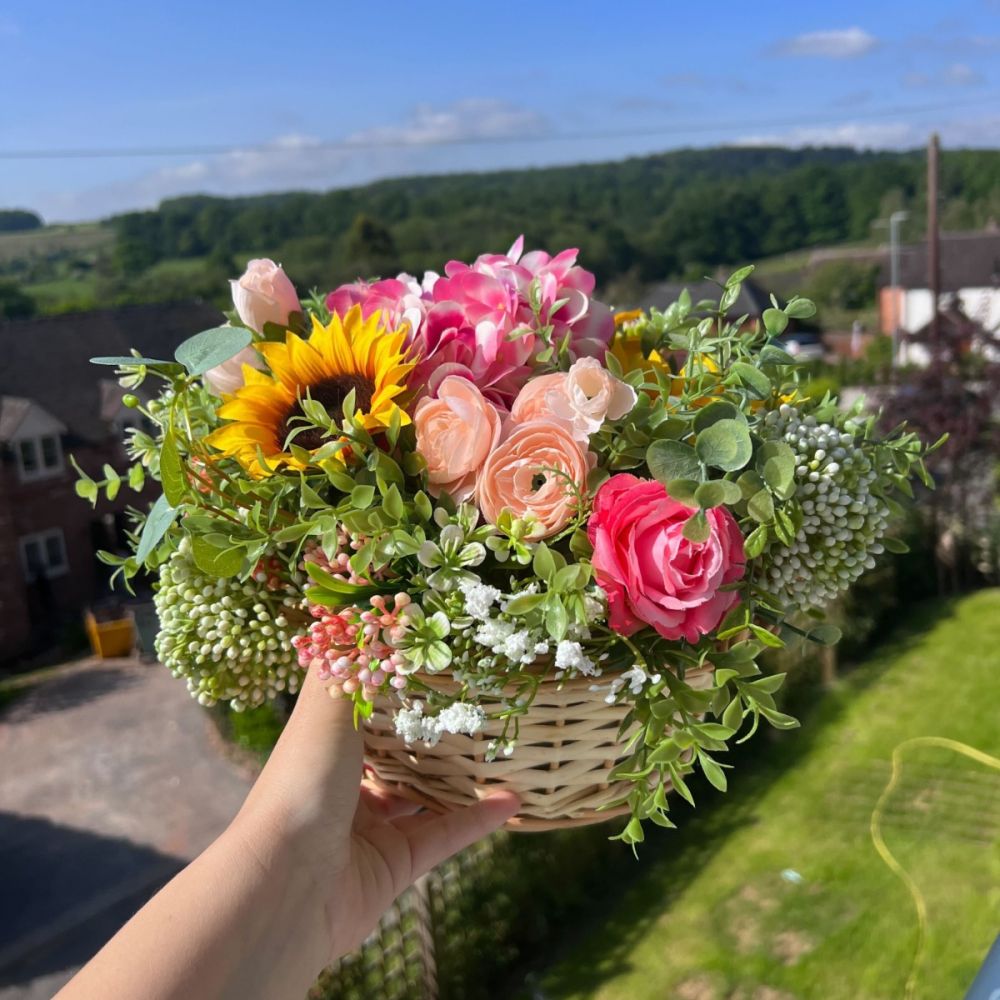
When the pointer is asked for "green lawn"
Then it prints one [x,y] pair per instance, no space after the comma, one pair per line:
[778,892]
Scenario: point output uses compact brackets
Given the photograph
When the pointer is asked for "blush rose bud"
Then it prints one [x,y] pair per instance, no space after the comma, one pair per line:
[264,295]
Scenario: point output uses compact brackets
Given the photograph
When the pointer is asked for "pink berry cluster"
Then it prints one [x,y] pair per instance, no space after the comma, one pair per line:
[356,649]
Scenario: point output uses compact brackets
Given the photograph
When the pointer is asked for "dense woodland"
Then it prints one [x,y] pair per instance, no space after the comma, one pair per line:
[638,220]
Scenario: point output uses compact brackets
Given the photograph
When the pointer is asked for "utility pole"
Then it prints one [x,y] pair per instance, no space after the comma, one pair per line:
[933,246]
[895,221]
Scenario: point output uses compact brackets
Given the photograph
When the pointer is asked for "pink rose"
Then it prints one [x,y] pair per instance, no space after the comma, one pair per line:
[651,573]
[582,398]
[226,378]
[264,295]
[518,476]
[455,433]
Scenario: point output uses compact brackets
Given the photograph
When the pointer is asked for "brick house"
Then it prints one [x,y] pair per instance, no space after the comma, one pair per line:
[53,404]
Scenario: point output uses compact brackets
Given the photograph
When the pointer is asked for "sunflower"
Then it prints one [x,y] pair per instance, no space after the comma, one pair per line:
[347,354]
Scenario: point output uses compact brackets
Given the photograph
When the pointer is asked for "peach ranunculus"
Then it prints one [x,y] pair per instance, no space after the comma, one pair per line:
[455,433]
[264,294]
[582,398]
[225,379]
[533,402]
[518,476]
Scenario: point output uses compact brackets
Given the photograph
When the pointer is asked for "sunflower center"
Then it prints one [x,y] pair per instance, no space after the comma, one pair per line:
[331,392]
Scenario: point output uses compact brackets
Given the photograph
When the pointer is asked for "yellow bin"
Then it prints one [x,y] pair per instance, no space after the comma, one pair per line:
[107,639]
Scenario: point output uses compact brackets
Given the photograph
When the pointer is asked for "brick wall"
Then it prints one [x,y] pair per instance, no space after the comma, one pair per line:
[34,615]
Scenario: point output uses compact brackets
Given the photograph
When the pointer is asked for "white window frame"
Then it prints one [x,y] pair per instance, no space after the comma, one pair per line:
[41,539]
[42,471]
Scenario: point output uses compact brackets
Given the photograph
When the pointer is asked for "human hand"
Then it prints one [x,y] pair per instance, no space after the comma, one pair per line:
[347,847]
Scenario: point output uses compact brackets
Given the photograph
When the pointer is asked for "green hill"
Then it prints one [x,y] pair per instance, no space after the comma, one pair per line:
[636,220]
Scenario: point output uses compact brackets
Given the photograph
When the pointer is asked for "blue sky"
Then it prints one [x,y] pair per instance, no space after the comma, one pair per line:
[325,94]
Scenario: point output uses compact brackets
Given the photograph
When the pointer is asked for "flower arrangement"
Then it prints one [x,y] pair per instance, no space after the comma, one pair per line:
[490,513]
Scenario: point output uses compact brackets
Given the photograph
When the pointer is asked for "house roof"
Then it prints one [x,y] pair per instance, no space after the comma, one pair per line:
[752,299]
[968,260]
[46,359]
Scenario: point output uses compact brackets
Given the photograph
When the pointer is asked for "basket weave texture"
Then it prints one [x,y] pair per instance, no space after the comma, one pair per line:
[567,745]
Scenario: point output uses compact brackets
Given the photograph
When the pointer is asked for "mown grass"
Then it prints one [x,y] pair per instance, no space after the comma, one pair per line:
[779,893]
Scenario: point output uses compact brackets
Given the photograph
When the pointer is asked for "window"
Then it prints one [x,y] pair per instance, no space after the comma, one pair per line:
[39,457]
[44,553]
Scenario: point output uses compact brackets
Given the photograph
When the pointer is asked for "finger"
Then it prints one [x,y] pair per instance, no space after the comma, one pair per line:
[384,805]
[434,838]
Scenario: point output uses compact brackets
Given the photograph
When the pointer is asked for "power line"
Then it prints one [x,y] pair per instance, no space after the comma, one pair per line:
[358,145]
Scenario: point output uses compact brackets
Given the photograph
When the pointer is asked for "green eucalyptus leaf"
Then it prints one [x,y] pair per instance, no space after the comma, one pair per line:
[684,490]
[725,445]
[717,492]
[798,308]
[720,409]
[209,348]
[668,460]
[697,528]
[761,507]
[825,634]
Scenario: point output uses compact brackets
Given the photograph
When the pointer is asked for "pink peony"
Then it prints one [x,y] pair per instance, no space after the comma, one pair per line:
[455,433]
[264,295]
[651,573]
[517,476]
[477,322]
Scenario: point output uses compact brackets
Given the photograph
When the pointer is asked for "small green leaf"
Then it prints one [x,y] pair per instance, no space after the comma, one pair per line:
[215,561]
[137,477]
[543,564]
[362,496]
[766,637]
[775,321]
[896,545]
[172,471]
[737,277]
[717,492]
[755,542]
[697,528]
[524,603]
[725,445]
[161,516]
[798,308]
[732,717]
[752,378]
[712,771]
[778,719]
[668,460]
[761,507]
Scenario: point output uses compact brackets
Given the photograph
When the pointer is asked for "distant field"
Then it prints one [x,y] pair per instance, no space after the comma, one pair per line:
[81,239]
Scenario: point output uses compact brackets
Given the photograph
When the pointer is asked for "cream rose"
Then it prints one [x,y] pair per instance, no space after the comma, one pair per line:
[455,433]
[518,476]
[264,295]
[226,378]
[590,395]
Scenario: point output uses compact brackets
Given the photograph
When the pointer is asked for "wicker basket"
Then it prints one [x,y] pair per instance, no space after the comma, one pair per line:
[567,744]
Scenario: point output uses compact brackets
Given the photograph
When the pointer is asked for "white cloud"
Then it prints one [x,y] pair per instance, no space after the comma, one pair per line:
[421,143]
[838,43]
[888,135]
[955,75]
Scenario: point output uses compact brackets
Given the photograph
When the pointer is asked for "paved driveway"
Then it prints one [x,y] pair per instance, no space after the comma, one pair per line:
[111,780]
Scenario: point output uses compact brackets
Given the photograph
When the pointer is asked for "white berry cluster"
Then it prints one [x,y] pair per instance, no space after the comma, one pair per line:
[842,520]
[231,641]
